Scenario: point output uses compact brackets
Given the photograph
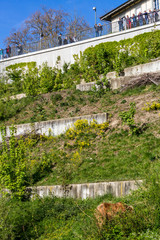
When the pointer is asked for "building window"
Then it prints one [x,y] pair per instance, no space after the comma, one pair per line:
[156,4]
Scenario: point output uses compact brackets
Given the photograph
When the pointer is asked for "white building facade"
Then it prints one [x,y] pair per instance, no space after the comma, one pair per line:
[128,9]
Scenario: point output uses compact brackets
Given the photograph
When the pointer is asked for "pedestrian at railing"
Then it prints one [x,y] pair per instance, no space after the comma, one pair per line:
[71,39]
[1,54]
[60,39]
[141,19]
[146,17]
[96,30]
[128,21]
[75,38]
[100,29]
[155,15]
[124,23]
[8,51]
[134,20]
[120,22]
[20,49]
[65,41]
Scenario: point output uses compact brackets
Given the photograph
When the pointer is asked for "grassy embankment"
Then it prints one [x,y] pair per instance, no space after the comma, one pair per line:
[95,154]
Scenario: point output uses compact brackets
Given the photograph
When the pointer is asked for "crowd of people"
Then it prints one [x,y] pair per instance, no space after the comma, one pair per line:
[66,40]
[141,19]
[124,23]
[6,53]
[98,29]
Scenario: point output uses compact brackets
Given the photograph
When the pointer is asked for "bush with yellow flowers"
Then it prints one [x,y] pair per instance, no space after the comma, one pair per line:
[151,106]
[82,131]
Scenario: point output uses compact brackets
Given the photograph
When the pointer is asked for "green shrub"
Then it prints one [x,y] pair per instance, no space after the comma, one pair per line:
[127,117]
[31,82]
[47,77]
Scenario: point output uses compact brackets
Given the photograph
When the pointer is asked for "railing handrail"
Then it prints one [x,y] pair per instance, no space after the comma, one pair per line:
[83,34]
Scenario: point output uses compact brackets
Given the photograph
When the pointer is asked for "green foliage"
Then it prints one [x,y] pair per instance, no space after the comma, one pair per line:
[47,77]
[101,59]
[115,56]
[21,65]
[19,168]
[151,106]
[9,108]
[13,165]
[15,74]
[101,87]
[127,118]
[31,82]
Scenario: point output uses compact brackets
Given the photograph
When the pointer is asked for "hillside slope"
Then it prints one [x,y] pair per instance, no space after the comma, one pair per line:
[91,153]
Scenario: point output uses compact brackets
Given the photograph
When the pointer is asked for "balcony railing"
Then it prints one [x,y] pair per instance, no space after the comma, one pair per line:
[107,28]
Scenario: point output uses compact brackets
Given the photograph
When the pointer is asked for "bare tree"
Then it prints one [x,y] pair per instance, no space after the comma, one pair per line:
[55,23]
[77,26]
[19,36]
[41,29]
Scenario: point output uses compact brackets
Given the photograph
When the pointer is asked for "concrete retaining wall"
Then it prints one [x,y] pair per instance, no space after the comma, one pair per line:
[129,73]
[55,127]
[150,67]
[86,86]
[66,52]
[88,190]
[115,83]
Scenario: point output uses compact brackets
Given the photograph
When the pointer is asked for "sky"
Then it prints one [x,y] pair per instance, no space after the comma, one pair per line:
[14,12]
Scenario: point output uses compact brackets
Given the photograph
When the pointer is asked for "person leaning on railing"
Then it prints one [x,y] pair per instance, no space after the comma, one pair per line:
[1,54]
[155,14]
[20,49]
[60,39]
[150,16]
[8,51]
[146,17]
[128,21]
[100,29]
[120,23]
[124,23]
[138,20]
[134,20]
[96,30]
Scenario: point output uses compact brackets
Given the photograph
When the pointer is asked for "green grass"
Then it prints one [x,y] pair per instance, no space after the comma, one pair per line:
[92,155]
[66,219]
[111,156]
[67,103]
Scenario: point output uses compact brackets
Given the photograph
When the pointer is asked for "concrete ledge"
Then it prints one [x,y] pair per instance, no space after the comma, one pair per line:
[54,127]
[151,67]
[88,190]
[86,86]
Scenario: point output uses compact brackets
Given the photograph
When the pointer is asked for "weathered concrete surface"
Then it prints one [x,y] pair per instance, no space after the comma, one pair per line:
[66,52]
[18,96]
[131,72]
[118,82]
[115,83]
[54,127]
[151,67]
[86,86]
[88,190]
